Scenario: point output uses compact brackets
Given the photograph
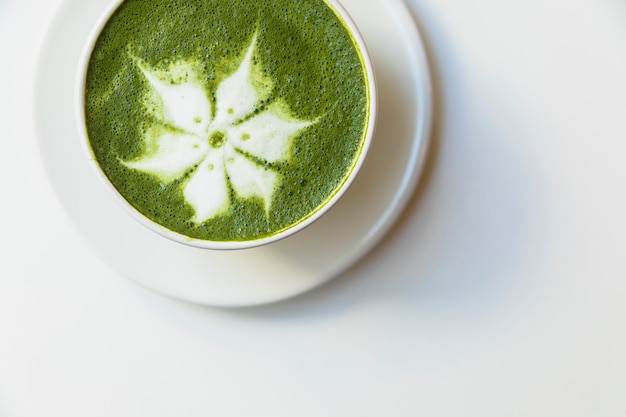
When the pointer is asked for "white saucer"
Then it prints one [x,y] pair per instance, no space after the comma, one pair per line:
[269,273]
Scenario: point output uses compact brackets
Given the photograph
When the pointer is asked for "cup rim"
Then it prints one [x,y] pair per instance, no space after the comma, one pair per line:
[157,228]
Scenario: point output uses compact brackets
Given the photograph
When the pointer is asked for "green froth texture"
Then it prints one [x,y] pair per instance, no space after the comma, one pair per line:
[301,45]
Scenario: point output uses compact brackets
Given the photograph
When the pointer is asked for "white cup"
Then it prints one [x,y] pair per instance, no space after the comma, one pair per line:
[237,244]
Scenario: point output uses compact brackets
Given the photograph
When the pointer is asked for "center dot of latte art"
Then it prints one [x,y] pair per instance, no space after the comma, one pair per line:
[217,139]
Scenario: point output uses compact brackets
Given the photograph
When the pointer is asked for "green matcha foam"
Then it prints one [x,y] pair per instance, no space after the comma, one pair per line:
[226,121]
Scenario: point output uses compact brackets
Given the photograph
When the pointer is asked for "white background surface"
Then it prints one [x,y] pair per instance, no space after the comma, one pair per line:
[501,291]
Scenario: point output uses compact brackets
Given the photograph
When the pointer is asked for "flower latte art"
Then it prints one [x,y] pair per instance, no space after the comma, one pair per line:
[226,121]
[236,146]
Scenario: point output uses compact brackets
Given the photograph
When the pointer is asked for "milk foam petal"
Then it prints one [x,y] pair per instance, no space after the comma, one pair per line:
[207,188]
[186,105]
[249,179]
[173,155]
[267,136]
[238,95]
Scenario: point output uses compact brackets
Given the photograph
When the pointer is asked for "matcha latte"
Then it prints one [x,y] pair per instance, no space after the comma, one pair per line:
[227,124]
